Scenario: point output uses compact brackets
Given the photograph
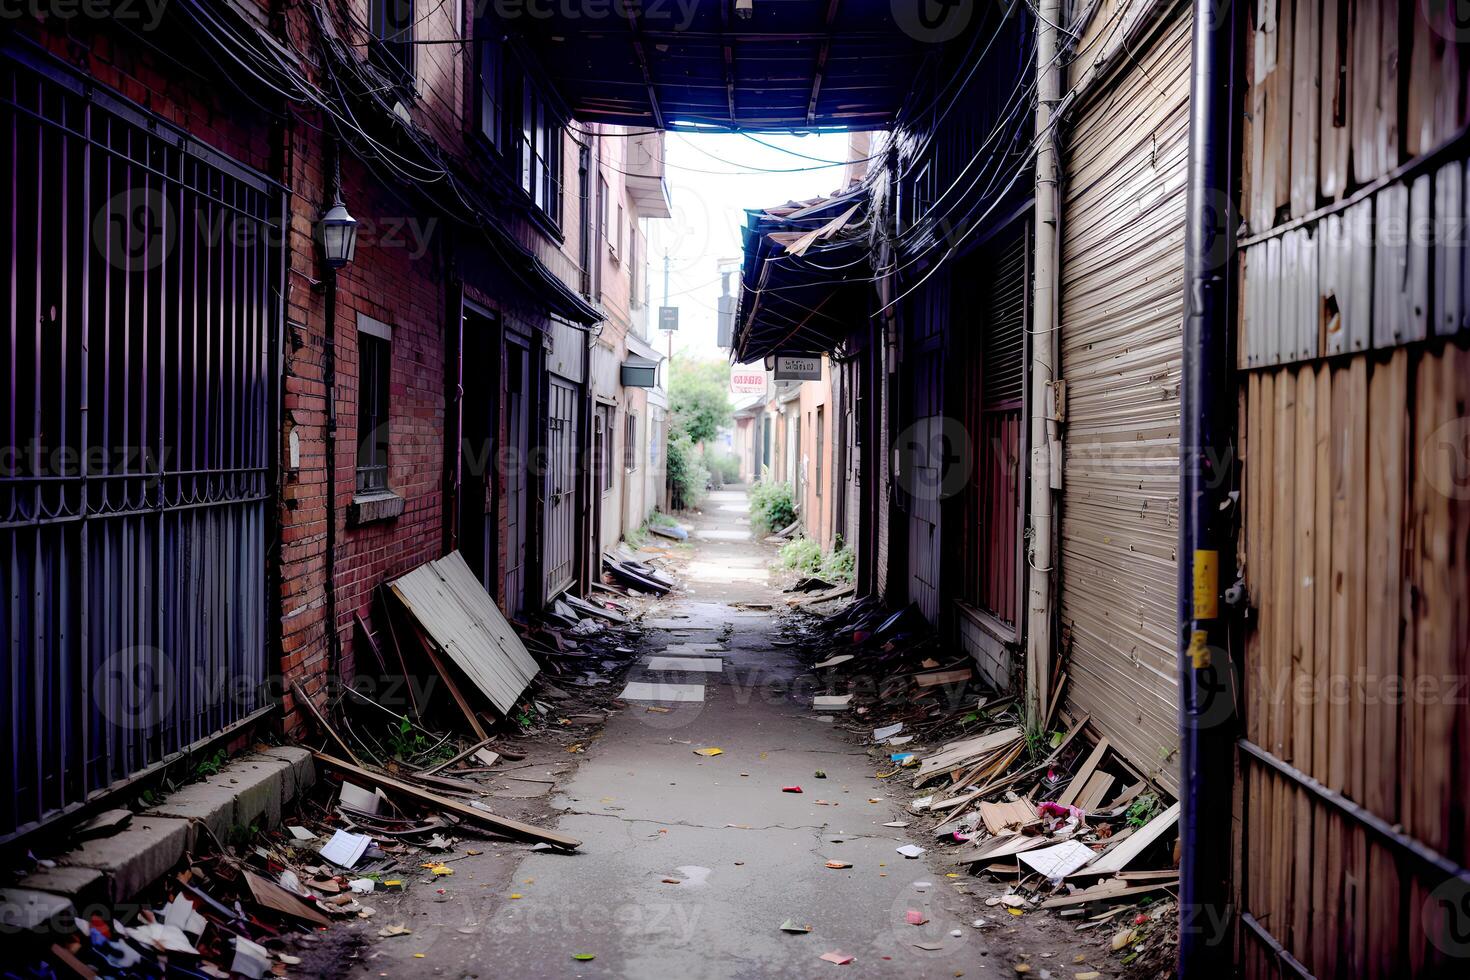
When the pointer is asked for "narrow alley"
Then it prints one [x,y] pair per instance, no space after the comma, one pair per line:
[731,488]
[690,865]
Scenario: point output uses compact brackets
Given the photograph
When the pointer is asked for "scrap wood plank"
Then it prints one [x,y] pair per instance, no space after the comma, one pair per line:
[1107,891]
[458,757]
[1006,845]
[1119,857]
[372,643]
[484,818]
[273,896]
[300,695]
[938,677]
[1001,817]
[1096,790]
[1084,773]
[956,754]
[457,613]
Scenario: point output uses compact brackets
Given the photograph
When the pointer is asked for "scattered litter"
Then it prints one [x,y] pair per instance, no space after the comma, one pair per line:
[839,864]
[300,833]
[910,850]
[709,752]
[251,960]
[345,849]
[915,918]
[791,789]
[1059,861]
[841,959]
[791,925]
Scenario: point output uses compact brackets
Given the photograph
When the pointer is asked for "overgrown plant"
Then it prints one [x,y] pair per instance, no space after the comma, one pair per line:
[800,555]
[805,555]
[687,476]
[772,507]
[1143,809]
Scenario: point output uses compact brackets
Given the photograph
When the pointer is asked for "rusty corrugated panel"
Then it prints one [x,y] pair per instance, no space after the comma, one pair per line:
[1121,314]
[462,620]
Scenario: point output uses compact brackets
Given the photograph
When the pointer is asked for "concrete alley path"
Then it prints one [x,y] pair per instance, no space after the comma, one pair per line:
[689,864]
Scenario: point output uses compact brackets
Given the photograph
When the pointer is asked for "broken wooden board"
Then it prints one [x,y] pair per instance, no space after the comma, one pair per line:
[1004,846]
[1117,859]
[271,895]
[1108,891]
[458,615]
[938,677]
[956,754]
[304,701]
[484,818]
[1097,788]
[1003,818]
[1069,796]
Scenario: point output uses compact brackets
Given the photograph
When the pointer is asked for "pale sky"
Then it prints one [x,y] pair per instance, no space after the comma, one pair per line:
[710,187]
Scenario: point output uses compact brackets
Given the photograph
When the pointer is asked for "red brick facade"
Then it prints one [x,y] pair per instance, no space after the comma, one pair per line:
[405,275]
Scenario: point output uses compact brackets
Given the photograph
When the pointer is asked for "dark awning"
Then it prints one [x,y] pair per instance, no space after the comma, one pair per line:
[688,64]
[807,278]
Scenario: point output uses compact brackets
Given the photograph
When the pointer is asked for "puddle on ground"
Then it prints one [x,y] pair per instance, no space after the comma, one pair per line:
[694,875]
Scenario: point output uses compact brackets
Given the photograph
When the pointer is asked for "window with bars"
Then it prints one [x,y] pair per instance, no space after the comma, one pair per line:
[374,344]
[630,441]
[392,46]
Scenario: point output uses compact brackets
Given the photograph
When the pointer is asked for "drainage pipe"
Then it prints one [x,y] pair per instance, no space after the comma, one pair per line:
[1207,716]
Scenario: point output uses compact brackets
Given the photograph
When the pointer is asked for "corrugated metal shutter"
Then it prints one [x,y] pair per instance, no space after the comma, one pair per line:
[1003,343]
[1121,310]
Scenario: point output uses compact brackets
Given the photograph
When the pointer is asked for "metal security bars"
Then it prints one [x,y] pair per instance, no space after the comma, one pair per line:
[139,297]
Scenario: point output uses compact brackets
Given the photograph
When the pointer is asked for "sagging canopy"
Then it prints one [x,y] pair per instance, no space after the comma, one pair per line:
[757,65]
[807,277]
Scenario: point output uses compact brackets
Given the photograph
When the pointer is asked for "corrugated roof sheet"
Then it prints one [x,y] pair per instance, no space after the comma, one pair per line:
[463,621]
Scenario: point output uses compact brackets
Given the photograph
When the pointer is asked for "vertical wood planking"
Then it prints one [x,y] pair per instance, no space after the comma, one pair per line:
[1362,34]
[1334,105]
[1306,67]
[1303,648]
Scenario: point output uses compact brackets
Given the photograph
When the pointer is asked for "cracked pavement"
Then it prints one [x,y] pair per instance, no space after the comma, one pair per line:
[690,865]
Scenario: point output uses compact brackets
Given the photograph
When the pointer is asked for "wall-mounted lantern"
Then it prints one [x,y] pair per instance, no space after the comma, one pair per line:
[338,232]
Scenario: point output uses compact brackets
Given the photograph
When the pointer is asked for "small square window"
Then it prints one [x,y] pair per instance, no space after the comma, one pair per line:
[373,363]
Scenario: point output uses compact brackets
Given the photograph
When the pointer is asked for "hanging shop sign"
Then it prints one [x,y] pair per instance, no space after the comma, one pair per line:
[796,367]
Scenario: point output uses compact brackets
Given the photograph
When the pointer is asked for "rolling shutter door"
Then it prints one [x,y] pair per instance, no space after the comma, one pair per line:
[1121,314]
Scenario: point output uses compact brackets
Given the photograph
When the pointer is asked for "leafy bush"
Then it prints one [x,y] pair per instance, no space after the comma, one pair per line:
[801,555]
[687,475]
[772,507]
[839,565]
[805,555]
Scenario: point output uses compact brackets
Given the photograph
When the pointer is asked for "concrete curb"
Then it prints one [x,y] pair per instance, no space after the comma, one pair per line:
[250,790]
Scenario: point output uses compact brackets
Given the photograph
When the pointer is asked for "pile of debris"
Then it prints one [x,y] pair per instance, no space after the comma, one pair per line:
[460,691]
[1057,818]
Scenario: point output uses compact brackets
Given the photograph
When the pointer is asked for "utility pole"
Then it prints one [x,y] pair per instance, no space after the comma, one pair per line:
[1045,470]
